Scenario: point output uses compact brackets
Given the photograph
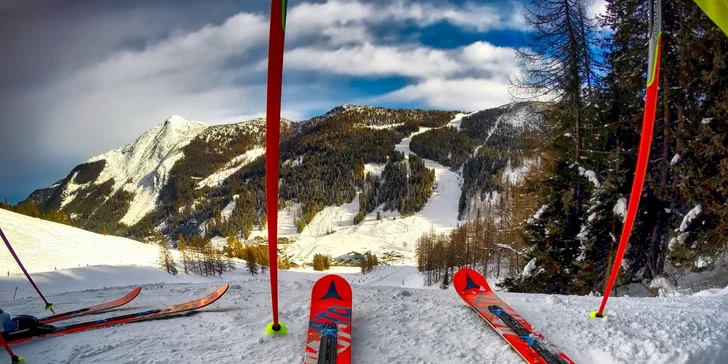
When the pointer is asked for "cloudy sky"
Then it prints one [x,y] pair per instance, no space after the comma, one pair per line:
[81,77]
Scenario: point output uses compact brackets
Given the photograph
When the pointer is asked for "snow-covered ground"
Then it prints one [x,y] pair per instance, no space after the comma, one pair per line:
[392,323]
[47,246]
[458,120]
[395,319]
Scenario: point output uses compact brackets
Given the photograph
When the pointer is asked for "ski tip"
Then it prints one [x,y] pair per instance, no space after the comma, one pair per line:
[281,330]
[467,279]
[596,314]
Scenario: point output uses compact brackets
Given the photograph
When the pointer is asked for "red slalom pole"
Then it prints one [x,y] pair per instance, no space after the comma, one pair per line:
[48,306]
[272,140]
[14,358]
[643,155]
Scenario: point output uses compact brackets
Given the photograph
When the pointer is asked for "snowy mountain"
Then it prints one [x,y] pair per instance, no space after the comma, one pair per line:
[395,319]
[136,171]
[124,184]
[184,177]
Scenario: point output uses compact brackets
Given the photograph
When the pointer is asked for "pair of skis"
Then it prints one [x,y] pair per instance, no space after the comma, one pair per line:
[329,328]
[44,329]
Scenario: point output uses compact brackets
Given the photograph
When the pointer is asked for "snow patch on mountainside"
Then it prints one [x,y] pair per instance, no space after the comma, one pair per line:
[375,169]
[70,192]
[458,120]
[332,219]
[143,166]
[516,175]
[227,211]
[216,179]
[384,127]
[404,145]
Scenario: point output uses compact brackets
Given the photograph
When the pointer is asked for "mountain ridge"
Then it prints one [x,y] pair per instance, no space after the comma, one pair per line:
[181,173]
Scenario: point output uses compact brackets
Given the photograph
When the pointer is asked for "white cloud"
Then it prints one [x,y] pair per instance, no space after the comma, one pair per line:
[467,94]
[473,77]
[216,73]
[410,61]
[346,21]
[183,53]
[480,17]
[373,60]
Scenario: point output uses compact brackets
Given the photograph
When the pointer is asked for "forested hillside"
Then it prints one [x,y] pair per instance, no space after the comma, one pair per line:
[581,168]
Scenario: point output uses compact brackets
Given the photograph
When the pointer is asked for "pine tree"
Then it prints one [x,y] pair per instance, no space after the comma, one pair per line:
[166,260]
[251,262]
[28,208]
[559,61]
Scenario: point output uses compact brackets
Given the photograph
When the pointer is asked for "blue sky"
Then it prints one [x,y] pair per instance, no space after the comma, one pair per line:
[84,77]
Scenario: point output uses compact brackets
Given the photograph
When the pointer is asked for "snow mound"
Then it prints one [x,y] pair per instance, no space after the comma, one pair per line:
[713,292]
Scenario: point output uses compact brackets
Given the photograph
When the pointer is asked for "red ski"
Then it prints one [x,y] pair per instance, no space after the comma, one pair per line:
[527,342]
[329,324]
[43,330]
[92,309]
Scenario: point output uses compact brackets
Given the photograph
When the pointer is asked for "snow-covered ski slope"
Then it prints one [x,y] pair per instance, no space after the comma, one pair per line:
[395,319]
[332,231]
[48,246]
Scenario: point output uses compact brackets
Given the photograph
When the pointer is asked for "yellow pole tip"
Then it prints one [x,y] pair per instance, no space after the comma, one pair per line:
[595,314]
[282,329]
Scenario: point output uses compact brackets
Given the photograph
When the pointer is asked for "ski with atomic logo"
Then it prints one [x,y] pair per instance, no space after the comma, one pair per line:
[527,342]
[329,325]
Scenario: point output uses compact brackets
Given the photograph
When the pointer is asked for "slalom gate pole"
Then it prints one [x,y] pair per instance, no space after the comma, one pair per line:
[48,306]
[643,154]
[14,358]
[272,140]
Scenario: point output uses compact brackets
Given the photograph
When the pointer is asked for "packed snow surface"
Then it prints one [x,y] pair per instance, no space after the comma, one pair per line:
[396,319]
[392,324]
[47,246]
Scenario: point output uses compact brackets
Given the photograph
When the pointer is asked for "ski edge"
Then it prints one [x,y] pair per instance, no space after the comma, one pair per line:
[93,309]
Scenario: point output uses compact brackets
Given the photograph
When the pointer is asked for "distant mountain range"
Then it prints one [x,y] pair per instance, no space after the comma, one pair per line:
[185,177]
